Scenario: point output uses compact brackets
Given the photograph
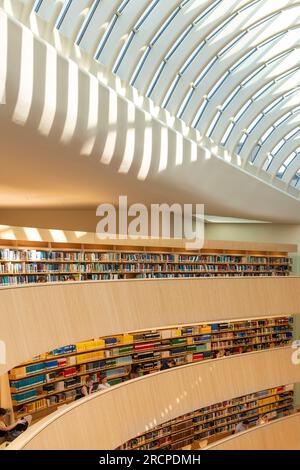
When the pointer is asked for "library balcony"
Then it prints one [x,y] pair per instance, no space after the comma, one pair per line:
[282,434]
[105,423]
[47,316]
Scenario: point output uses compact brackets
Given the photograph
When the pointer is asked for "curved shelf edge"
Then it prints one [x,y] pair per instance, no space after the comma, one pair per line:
[107,419]
[281,434]
[44,317]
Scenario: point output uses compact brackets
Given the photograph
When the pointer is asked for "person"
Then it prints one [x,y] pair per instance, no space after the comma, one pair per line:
[12,431]
[220,353]
[168,364]
[262,420]
[136,371]
[104,385]
[242,426]
[87,388]
[41,279]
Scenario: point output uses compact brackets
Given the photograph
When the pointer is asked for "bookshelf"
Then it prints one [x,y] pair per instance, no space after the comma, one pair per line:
[216,421]
[42,384]
[24,262]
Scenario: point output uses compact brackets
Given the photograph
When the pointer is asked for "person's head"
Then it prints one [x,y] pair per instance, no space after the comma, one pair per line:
[104,380]
[171,363]
[3,412]
[89,381]
[246,422]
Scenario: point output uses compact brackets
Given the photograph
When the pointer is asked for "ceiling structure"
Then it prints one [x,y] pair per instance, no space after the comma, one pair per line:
[225,70]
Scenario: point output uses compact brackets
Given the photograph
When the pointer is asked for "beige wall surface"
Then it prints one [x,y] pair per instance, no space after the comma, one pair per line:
[282,434]
[107,419]
[38,318]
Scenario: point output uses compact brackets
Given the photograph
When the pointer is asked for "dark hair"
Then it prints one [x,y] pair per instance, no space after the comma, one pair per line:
[246,422]
[89,379]
[3,411]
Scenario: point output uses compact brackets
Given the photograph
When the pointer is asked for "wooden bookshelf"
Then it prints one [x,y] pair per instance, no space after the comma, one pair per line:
[49,380]
[216,421]
[24,262]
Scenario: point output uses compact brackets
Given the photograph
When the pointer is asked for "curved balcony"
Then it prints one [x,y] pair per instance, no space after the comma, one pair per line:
[282,434]
[39,318]
[104,422]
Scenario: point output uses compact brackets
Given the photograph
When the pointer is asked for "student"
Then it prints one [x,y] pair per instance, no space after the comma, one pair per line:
[87,388]
[220,354]
[104,385]
[168,364]
[262,420]
[135,372]
[243,426]
[9,433]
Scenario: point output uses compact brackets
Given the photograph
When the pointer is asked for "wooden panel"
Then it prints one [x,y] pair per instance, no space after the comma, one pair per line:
[282,434]
[107,419]
[27,234]
[38,318]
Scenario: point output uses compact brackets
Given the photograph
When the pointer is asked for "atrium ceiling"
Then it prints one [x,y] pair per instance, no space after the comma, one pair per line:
[225,71]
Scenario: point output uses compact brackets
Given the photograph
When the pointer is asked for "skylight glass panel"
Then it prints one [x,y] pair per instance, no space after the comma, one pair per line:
[268,162]
[254,123]
[278,147]
[199,113]
[231,97]
[165,26]
[205,71]
[170,91]
[227,134]
[185,102]
[179,41]
[243,110]
[145,15]
[218,85]
[155,78]
[191,58]
[292,134]
[213,124]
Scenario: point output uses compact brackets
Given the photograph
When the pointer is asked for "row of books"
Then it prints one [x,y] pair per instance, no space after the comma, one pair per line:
[170,337]
[114,356]
[27,254]
[215,420]
[36,267]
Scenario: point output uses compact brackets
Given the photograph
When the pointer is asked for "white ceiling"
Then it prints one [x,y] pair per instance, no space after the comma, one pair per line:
[227,68]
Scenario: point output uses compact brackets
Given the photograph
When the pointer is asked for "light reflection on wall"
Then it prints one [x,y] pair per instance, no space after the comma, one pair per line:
[93,117]
[24,101]
[49,109]
[147,154]
[179,149]
[111,138]
[3,56]
[72,105]
[164,146]
[130,141]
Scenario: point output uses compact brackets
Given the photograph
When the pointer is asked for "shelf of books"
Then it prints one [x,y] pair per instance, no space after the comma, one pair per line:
[216,421]
[41,385]
[57,262]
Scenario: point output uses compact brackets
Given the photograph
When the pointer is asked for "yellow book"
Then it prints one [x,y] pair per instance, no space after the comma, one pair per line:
[204,329]
[127,339]
[177,333]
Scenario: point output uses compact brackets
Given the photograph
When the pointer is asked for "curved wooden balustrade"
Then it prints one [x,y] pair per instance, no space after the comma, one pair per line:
[107,419]
[282,434]
[39,318]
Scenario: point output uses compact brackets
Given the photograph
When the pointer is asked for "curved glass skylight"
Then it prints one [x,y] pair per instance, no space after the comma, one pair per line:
[228,68]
